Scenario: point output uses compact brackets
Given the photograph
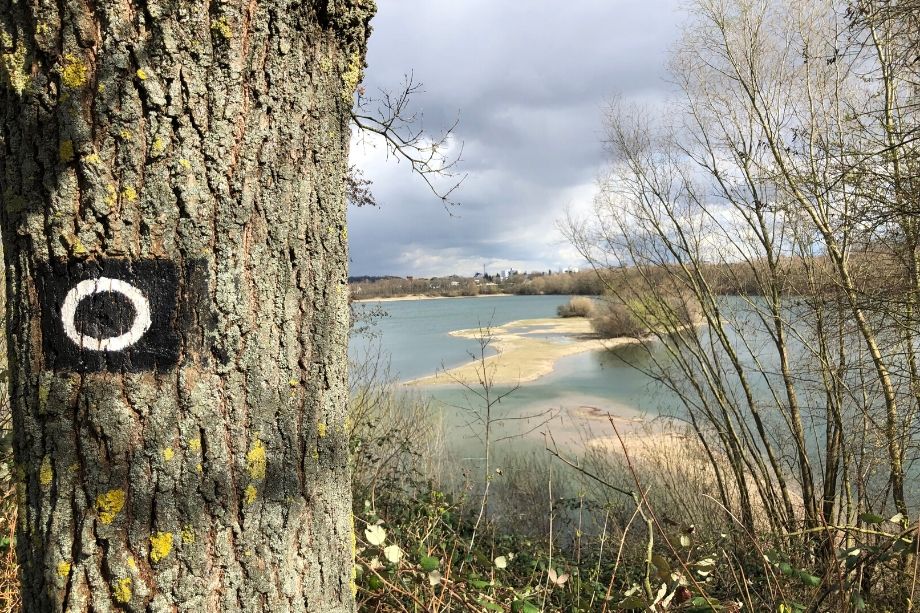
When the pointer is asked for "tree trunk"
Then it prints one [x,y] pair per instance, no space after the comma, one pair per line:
[174,233]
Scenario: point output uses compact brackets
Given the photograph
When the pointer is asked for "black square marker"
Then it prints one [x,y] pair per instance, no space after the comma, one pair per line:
[109,315]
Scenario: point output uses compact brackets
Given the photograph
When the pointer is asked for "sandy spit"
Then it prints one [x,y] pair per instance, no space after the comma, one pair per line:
[525,353]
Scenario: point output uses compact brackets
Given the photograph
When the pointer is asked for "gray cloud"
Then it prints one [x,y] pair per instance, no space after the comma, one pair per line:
[529,81]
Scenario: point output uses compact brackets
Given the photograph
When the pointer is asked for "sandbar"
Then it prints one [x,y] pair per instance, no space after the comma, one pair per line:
[527,349]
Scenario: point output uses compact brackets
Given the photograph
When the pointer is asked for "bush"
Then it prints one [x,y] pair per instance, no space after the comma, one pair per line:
[578,306]
[615,319]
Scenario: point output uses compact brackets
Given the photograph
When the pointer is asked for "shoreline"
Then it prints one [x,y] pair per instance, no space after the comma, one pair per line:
[527,349]
[426,297]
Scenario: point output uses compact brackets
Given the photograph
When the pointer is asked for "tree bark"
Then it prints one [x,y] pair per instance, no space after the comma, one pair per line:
[196,153]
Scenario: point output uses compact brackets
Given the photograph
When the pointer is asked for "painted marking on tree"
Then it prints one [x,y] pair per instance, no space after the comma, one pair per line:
[89,287]
[113,315]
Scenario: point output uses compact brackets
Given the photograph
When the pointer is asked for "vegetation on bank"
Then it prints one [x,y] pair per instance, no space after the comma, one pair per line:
[631,524]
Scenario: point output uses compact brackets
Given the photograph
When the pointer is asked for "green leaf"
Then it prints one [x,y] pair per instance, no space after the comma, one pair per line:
[522,606]
[662,566]
[429,563]
[808,579]
[632,602]
[479,584]
[786,568]
[871,518]
[374,582]
[491,606]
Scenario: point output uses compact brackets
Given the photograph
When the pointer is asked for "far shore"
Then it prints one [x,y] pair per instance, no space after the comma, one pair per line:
[424,297]
[524,352]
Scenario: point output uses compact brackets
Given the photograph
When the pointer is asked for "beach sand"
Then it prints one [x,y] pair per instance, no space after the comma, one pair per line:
[527,350]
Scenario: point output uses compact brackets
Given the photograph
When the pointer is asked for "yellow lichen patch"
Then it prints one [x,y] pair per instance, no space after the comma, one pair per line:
[160,545]
[93,158]
[121,589]
[44,391]
[188,536]
[158,145]
[195,444]
[13,202]
[126,134]
[322,429]
[129,194]
[221,27]
[184,163]
[294,382]
[74,73]
[65,151]
[77,247]
[199,468]
[132,563]
[110,504]
[141,74]
[46,472]
[168,453]
[351,77]
[111,196]
[74,467]
[255,460]
[249,496]
[63,569]
[14,64]
[101,88]
[354,555]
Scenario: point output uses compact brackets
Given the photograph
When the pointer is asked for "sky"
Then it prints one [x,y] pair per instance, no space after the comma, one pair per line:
[528,81]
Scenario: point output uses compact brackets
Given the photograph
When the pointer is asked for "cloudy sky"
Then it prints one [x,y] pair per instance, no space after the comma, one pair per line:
[528,81]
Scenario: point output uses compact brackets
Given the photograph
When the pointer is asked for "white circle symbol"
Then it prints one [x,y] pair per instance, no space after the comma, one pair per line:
[86,288]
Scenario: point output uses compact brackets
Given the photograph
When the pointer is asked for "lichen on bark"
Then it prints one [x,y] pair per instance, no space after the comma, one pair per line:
[217,140]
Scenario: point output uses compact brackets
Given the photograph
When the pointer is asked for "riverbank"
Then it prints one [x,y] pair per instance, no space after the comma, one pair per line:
[526,350]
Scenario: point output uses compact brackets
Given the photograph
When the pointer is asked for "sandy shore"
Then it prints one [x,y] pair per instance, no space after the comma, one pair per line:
[527,350]
[423,297]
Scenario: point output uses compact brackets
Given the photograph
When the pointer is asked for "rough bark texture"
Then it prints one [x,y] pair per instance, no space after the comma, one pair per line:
[214,136]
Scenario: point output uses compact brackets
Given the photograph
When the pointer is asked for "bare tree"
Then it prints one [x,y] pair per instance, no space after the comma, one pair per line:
[779,191]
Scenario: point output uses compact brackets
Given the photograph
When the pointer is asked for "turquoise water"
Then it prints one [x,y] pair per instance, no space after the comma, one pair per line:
[415,333]
[573,397]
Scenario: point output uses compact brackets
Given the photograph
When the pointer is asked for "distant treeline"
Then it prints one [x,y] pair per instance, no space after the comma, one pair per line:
[582,283]
[870,271]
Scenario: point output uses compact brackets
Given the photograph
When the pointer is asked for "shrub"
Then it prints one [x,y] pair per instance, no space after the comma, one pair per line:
[615,319]
[578,306]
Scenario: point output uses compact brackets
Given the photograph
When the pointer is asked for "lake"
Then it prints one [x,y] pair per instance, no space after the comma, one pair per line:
[415,334]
